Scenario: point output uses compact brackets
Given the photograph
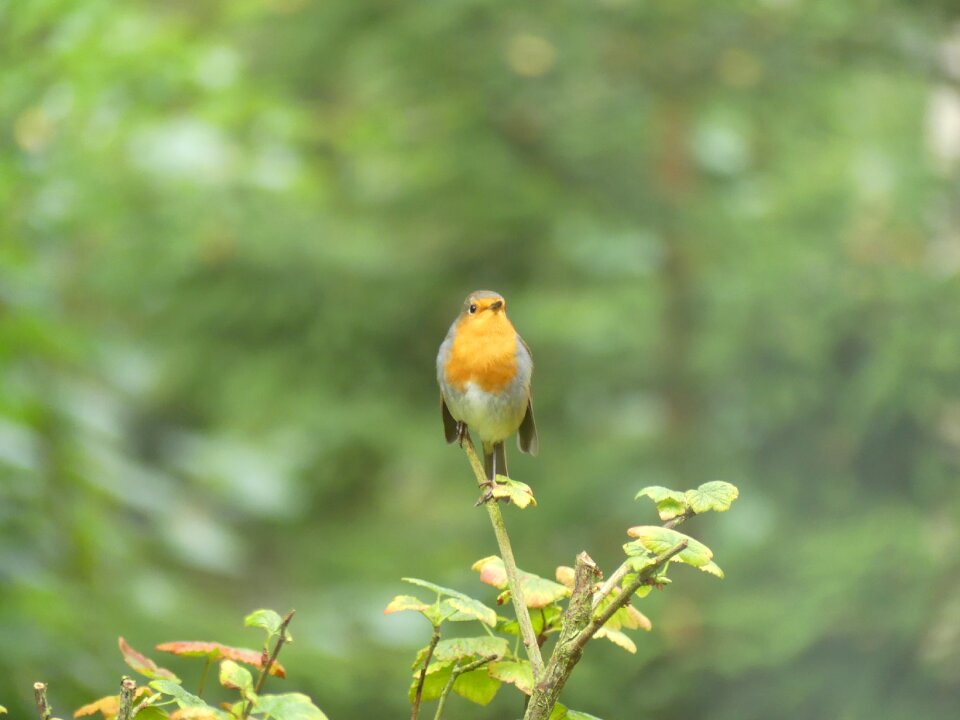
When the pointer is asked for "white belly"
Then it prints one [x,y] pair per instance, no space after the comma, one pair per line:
[492,417]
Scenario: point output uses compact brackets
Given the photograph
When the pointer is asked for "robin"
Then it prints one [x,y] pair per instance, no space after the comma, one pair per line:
[484,370]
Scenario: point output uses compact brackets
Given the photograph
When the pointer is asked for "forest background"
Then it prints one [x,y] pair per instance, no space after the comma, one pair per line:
[232,236]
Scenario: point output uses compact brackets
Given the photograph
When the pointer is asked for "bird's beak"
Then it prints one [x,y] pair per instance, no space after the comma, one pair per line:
[496,305]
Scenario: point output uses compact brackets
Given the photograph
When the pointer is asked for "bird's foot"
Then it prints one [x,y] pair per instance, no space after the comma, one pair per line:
[487,495]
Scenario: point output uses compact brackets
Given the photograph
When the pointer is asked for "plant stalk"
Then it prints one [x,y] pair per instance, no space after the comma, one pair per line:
[510,565]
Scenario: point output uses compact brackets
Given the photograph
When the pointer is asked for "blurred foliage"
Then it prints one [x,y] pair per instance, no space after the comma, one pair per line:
[232,236]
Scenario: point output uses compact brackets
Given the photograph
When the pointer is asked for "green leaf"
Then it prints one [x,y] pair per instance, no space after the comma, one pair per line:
[269,620]
[656,539]
[644,590]
[439,589]
[154,713]
[476,686]
[188,700]
[235,677]
[406,602]
[538,592]
[515,672]
[670,503]
[716,495]
[712,568]
[289,706]
[561,712]
[183,698]
[515,491]
[433,685]
[467,608]
[469,648]
[577,715]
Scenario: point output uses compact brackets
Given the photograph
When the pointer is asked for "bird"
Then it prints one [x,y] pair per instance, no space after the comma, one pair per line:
[484,369]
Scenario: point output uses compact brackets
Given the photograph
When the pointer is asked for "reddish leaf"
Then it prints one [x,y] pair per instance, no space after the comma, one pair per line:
[216,651]
[537,591]
[141,663]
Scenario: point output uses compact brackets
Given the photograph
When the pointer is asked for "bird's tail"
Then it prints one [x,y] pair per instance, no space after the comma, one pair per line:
[494,460]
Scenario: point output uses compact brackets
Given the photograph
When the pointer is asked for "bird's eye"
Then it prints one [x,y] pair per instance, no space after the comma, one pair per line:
[473,309]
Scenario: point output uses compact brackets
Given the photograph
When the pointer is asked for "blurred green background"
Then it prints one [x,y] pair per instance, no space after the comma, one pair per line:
[232,236]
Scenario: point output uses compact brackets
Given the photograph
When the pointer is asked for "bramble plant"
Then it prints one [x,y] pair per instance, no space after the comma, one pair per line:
[476,667]
[164,697]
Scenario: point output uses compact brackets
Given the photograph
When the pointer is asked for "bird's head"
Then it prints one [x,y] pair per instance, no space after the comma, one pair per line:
[484,308]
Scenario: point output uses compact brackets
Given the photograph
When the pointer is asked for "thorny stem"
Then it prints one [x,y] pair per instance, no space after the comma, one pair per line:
[128,687]
[423,672]
[265,670]
[40,696]
[457,672]
[510,565]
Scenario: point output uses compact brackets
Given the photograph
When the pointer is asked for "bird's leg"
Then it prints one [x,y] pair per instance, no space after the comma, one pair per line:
[461,432]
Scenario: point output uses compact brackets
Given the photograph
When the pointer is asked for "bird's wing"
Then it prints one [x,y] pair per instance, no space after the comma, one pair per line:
[527,434]
[449,424]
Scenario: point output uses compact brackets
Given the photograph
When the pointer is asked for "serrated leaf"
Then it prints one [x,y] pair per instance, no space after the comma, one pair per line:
[235,677]
[476,686]
[515,491]
[712,568]
[269,620]
[216,651]
[538,592]
[617,638]
[670,503]
[656,539]
[471,610]
[141,664]
[406,602]
[515,672]
[289,706]
[716,495]
[469,648]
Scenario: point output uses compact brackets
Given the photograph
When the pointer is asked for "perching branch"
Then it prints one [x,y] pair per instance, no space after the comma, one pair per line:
[423,672]
[40,696]
[265,670]
[128,688]
[457,672]
[578,628]
[510,565]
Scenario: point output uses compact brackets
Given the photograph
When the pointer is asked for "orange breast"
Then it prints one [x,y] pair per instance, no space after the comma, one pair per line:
[484,351]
